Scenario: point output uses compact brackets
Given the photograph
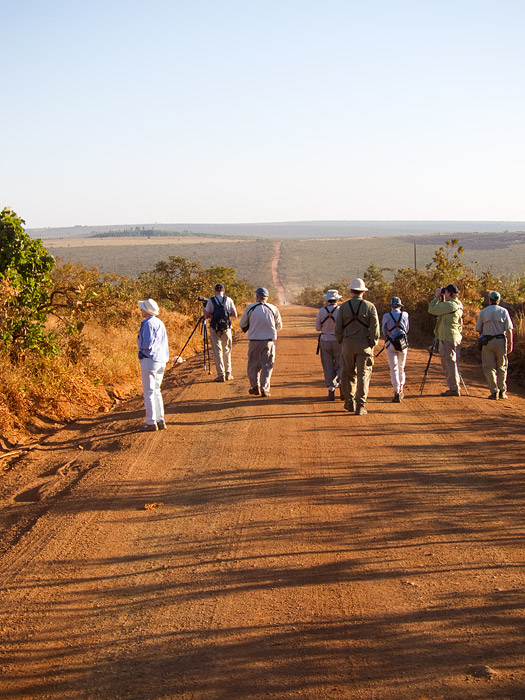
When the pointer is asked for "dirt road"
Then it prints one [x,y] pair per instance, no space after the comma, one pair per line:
[293,550]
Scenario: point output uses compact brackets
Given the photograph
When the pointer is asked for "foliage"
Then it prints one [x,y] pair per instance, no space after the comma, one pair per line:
[446,265]
[378,288]
[79,295]
[179,283]
[25,274]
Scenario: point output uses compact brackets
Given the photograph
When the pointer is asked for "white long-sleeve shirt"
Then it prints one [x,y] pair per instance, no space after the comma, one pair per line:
[264,321]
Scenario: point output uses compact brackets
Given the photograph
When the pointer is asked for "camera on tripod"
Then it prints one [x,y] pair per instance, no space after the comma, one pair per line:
[202,299]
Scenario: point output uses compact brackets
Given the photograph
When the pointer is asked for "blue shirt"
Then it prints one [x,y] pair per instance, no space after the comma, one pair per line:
[389,323]
[153,340]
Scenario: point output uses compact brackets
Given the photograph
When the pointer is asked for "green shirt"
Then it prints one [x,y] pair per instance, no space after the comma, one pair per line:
[366,328]
[449,321]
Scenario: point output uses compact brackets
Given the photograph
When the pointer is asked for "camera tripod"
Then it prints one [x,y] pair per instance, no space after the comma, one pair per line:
[201,325]
[434,349]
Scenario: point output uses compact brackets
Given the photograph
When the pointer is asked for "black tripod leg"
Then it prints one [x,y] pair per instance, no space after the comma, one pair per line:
[190,337]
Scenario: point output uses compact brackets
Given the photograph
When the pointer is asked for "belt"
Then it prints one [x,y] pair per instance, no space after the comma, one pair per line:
[262,340]
[500,336]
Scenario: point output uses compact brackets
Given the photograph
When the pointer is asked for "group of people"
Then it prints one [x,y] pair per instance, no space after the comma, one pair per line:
[348,334]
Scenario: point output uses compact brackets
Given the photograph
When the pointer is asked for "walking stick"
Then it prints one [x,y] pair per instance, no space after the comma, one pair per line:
[384,346]
[431,352]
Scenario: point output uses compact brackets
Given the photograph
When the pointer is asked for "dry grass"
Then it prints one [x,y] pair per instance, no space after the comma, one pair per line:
[43,390]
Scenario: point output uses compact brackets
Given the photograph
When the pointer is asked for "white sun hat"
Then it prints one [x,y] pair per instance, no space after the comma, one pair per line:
[358,285]
[332,294]
[150,307]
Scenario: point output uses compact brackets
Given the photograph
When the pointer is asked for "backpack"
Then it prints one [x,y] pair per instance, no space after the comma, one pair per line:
[400,342]
[220,318]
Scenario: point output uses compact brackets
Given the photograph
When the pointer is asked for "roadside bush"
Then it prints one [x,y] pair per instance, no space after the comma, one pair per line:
[25,276]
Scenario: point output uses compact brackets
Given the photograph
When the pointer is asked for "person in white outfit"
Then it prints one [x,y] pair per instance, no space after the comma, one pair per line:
[329,348]
[262,321]
[152,342]
[395,324]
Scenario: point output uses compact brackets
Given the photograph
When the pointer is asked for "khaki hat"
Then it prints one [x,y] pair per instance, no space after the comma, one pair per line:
[358,285]
[150,307]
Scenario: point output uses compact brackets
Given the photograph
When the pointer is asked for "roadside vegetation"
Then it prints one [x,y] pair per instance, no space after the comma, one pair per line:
[69,332]
[417,287]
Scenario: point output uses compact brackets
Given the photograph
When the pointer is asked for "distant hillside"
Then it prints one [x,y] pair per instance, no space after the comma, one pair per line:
[290,229]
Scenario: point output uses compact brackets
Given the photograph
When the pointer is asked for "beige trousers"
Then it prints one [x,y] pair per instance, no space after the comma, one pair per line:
[449,354]
[357,359]
[494,362]
[221,344]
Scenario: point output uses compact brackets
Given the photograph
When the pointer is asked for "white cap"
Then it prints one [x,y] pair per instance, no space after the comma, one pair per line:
[150,307]
[358,285]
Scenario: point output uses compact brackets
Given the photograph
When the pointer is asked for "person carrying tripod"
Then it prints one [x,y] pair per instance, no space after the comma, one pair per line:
[218,311]
[449,326]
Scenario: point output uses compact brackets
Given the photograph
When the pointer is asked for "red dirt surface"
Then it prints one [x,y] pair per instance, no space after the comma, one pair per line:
[291,550]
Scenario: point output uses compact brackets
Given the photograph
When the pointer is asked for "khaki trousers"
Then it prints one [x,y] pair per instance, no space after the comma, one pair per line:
[221,343]
[357,359]
[449,354]
[330,351]
[494,362]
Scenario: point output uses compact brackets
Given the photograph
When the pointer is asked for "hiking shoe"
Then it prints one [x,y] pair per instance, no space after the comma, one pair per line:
[265,393]
[494,396]
[451,392]
[254,390]
[161,425]
[220,378]
[503,395]
[397,398]
[361,411]
[229,377]
[349,405]
[331,395]
[148,427]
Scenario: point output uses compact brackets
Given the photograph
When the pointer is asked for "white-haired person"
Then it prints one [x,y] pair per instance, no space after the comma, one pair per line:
[329,348]
[152,342]
[395,325]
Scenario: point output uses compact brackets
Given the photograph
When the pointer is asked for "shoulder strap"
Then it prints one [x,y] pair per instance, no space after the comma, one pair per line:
[355,315]
[216,302]
[329,314]
[397,324]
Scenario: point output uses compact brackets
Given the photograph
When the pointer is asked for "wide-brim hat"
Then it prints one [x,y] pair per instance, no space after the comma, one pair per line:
[396,301]
[332,295]
[358,285]
[150,306]
[261,292]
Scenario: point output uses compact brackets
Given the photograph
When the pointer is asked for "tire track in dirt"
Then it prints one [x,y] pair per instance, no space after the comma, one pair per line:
[277,283]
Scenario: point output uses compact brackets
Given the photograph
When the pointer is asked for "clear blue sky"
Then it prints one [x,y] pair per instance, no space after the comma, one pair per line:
[127,111]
